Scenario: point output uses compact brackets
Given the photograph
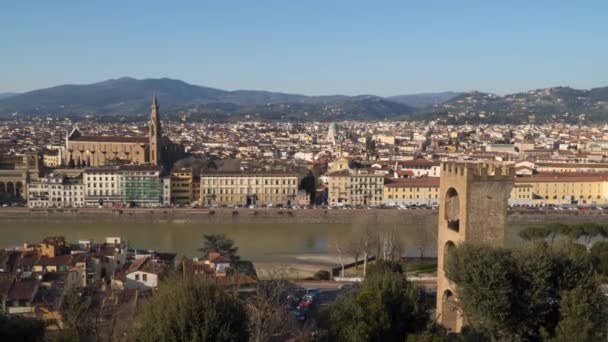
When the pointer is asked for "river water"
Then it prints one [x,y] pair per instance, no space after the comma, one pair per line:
[258,242]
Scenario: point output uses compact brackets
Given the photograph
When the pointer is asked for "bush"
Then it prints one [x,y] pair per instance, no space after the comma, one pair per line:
[387,307]
[322,275]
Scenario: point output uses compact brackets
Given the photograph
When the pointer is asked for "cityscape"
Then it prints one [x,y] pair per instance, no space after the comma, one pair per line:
[316,171]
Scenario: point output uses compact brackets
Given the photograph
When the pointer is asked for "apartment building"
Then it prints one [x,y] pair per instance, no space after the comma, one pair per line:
[181,186]
[560,189]
[125,185]
[348,186]
[413,191]
[249,188]
[56,191]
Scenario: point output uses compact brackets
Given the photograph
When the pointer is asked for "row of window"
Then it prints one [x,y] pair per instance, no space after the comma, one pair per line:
[410,196]
[412,189]
[246,191]
[213,181]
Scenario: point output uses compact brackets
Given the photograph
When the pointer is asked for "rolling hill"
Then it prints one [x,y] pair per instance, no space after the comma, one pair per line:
[129,96]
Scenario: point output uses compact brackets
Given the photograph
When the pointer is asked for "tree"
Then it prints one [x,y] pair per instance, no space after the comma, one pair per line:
[353,248]
[191,310]
[368,239]
[309,184]
[269,319]
[387,307]
[424,238]
[13,328]
[219,243]
[340,253]
[582,313]
[519,294]
[391,244]
[599,253]
[77,315]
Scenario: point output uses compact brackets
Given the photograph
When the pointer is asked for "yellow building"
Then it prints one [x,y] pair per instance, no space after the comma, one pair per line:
[51,158]
[347,186]
[413,191]
[560,189]
[82,150]
[249,188]
[181,186]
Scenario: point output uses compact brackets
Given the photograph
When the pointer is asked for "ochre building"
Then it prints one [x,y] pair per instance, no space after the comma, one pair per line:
[83,150]
[249,188]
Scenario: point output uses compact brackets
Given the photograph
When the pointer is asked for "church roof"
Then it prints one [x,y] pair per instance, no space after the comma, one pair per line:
[112,139]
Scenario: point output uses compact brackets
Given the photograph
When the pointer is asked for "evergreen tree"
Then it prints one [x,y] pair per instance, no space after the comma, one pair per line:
[219,243]
[191,310]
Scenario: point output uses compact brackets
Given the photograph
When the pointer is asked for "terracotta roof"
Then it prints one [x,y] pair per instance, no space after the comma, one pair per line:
[574,165]
[262,173]
[112,139]
[6,282]
[23,290]
[147,265]
[560,178]
[341,173]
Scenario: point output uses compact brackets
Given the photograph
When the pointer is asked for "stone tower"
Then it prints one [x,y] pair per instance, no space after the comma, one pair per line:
[155,133]
[473,198]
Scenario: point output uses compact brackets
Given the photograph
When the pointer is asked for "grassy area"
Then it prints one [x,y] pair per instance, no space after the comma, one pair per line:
[420,266]
[415,266]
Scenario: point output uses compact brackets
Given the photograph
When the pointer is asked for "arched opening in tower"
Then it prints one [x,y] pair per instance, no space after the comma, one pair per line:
[449,311]
[447,249]
[452,209]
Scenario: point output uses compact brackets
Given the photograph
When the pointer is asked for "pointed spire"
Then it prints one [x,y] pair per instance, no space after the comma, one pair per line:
[154,102]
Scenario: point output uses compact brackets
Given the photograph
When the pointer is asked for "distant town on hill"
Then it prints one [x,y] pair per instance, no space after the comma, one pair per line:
[129,97]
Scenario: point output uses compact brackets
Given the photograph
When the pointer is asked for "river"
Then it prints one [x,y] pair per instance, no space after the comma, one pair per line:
[304,247]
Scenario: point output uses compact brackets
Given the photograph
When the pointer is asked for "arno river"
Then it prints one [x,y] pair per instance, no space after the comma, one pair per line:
[265,243]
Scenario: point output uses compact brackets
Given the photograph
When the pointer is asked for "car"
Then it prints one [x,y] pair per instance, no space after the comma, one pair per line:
[299,315]
[305,305]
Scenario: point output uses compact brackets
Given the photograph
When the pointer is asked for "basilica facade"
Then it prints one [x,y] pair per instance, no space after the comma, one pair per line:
[82,150]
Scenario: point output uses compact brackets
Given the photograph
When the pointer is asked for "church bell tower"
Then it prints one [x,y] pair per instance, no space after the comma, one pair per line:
[155,133]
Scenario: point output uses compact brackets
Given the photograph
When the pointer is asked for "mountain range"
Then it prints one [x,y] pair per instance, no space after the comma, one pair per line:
[129,97]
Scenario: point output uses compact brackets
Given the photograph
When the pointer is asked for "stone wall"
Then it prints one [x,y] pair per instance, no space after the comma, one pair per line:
[372,217]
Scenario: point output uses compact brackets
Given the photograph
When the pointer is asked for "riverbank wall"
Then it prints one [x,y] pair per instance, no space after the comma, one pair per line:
[364,217]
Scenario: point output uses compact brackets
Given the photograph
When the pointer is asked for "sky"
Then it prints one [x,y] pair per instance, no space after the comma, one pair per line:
[313,47]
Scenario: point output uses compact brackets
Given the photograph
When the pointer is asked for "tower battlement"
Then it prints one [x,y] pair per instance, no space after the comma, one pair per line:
[473,208]
[494,171]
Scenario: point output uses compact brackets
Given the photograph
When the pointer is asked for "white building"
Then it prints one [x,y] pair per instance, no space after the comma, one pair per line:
[56,191]
[101,186]
[144,274]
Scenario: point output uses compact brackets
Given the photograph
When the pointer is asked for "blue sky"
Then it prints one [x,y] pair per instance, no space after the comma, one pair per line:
[309,47]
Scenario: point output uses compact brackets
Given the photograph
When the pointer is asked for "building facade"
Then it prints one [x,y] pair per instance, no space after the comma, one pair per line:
[56,191]
[181,186]
[560,189]
[16,171]
[140,186]
[101,187]
[93,151]
[413,191]
[347,186]
[249,188]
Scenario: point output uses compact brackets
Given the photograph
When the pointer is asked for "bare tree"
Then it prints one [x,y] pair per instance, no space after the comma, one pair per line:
[369,239]
[423,238]
[353,248]
[339,252]
[269,317]
[391,244]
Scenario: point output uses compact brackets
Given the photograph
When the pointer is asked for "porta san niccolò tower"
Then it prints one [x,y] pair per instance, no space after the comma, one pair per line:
[82,150]
[473,198]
